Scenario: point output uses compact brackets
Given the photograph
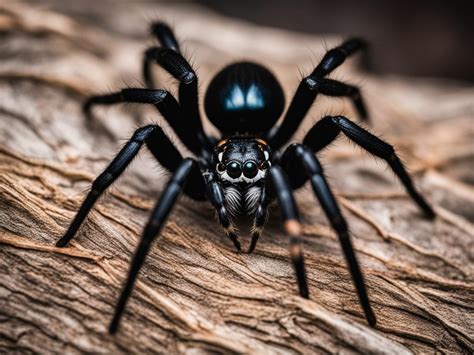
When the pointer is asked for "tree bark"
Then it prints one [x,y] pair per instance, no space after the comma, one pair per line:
[195,293]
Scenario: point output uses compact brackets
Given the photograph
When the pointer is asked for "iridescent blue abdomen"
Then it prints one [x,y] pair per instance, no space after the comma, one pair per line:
[244,98]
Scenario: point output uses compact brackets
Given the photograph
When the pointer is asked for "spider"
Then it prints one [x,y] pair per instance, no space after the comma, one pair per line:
[246,168]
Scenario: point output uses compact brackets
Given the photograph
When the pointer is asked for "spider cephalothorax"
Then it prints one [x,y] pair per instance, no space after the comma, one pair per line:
[242,164]
[245,168]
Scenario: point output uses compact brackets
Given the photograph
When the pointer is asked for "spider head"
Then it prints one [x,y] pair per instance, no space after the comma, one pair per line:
[242,160]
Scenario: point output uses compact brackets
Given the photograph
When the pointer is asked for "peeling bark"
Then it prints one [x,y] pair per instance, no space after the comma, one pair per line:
[194,292]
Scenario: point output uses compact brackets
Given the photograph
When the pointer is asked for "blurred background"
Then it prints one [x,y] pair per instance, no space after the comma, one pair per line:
[420,38]
[431,38]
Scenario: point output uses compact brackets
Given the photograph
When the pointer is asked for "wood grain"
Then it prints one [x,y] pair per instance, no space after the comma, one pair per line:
[194,293]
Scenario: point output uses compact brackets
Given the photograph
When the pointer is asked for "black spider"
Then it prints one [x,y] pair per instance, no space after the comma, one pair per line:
[242,171]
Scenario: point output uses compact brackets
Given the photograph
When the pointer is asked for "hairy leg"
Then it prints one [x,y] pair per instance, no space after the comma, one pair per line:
[313,84]
[281,190]
[160,146]
[164,102]
[328,128]
[175,64]
[158,218]
[299,161]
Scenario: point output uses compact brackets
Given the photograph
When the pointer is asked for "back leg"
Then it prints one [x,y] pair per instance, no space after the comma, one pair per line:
[336,56]
[314,84]
[164,102]
[170,58]
[165,36]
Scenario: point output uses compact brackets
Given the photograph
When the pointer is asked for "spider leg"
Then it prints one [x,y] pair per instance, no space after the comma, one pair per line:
[165,103]
[313,84]
[168,40]
[281,189]
[260,218]
[158,217]
[298,156]
[165,36]
[175,64]
[216,196]
[331,87]
[327,129]
[160,146]
[336,56]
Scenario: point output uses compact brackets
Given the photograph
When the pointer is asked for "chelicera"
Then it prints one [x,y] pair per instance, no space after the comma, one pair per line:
[246,168]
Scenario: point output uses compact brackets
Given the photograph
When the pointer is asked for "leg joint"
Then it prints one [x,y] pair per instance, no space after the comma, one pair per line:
[188,77]
[312,83]
[142,133]
[364,138]
[309,161]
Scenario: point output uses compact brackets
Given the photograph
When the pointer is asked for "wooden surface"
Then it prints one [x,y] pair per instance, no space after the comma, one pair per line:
[194,292]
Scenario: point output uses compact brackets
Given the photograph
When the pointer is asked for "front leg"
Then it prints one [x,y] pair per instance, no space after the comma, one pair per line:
[313,84]
[164,102]
[280,189]
[159,215]
[176,65]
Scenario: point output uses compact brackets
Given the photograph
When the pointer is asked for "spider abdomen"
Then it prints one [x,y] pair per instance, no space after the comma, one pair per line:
[244,97]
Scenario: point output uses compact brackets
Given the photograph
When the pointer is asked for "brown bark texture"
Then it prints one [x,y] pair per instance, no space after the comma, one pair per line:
[195,293]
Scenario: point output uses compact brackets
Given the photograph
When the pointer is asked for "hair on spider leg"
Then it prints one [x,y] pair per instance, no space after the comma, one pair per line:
[247,167]
[316,55]
[341,77]
[324,46]
[190,55]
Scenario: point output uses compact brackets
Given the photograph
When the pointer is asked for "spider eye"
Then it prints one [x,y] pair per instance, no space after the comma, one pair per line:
[220,167]
[234,169]
[250,169]
[264,165]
